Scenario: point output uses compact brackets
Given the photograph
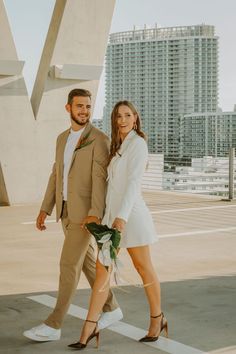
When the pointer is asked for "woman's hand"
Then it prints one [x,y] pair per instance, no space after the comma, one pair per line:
[119,224]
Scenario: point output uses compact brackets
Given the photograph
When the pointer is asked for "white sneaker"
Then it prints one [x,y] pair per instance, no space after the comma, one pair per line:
[108,318]
[43,333]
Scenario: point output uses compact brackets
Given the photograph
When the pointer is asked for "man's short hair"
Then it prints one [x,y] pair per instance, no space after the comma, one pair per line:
[78,92]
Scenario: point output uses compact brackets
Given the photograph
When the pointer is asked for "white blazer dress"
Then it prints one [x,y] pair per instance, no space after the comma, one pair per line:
[124,197]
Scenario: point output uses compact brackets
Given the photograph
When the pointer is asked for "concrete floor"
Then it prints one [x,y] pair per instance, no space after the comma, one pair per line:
[195,260]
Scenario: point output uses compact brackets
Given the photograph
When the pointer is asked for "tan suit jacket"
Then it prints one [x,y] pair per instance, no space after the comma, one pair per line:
[86,178]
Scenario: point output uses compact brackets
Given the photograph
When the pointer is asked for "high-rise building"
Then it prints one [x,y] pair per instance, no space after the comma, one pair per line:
[208,134]
[98,123]
[165,72]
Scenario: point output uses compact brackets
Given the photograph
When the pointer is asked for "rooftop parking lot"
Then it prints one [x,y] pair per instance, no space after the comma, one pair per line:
[195,260]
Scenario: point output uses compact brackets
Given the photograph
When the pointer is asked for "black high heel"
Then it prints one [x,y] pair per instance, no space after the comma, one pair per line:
[79,346]
[163,326]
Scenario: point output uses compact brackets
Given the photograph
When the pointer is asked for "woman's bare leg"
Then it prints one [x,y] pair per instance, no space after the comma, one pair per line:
[97,299]
[141,259]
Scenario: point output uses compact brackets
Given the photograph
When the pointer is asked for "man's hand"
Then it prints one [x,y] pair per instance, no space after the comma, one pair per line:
[119,224]
[40,220]
[89,219]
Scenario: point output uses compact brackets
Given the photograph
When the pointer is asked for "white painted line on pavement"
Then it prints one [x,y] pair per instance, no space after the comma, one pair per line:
[198,232]
[33,222]
[158,212]
[165,344]
[193,209]
[179,234]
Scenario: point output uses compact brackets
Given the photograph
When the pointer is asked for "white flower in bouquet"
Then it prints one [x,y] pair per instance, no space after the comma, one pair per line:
[108,240]
[105,238]
[104,254]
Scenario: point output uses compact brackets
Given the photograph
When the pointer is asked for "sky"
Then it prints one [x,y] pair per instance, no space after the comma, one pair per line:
[29,20]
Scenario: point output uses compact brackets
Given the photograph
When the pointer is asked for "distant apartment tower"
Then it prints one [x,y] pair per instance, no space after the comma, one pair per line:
[98,123]
[166,72]
[208,134]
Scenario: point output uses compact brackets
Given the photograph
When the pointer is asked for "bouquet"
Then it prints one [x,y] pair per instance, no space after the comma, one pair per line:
[108,240]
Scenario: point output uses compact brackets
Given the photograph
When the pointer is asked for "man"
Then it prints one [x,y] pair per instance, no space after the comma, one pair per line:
[77,186]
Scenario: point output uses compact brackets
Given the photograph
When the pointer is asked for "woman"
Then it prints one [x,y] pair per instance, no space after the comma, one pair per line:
[127,212]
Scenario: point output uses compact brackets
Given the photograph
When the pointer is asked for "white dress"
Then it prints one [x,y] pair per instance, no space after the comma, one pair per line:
[124,197]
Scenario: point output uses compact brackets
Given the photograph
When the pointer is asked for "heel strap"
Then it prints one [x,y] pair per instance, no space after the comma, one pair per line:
[91,321]
[157,315]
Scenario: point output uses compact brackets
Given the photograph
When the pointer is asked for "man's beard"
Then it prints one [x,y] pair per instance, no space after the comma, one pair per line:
[77,121]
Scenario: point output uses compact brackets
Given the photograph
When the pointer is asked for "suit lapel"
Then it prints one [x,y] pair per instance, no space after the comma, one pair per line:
[86,130]
[132,134]
[62,148]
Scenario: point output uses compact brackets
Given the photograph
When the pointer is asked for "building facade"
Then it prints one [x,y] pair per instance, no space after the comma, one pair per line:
[207,175]
[98,123]
[166,72]
[208,134]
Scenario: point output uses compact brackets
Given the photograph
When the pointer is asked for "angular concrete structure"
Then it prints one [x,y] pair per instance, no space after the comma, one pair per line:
[72,57]
[17,128]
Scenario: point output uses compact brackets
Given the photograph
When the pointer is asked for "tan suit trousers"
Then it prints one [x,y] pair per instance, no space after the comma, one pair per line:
[77,254]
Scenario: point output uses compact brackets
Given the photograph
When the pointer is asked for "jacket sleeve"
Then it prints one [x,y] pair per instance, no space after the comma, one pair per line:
[137,161]
[50,194]
[99,175]
[49,199]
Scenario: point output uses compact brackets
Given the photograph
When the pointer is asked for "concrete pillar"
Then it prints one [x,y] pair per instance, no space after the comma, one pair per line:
[17,126]
[72,57]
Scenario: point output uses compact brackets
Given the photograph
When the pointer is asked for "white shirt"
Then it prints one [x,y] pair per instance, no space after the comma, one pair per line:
[71,143]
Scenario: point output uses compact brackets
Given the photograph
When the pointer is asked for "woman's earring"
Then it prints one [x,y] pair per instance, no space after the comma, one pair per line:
[135,126]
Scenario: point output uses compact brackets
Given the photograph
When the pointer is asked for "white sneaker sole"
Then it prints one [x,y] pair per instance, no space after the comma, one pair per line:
[37,338]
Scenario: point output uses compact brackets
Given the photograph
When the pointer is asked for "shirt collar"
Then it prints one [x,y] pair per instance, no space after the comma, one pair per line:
[77,132]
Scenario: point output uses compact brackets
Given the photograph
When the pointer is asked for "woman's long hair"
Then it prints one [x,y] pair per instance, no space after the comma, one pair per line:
[115,136]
